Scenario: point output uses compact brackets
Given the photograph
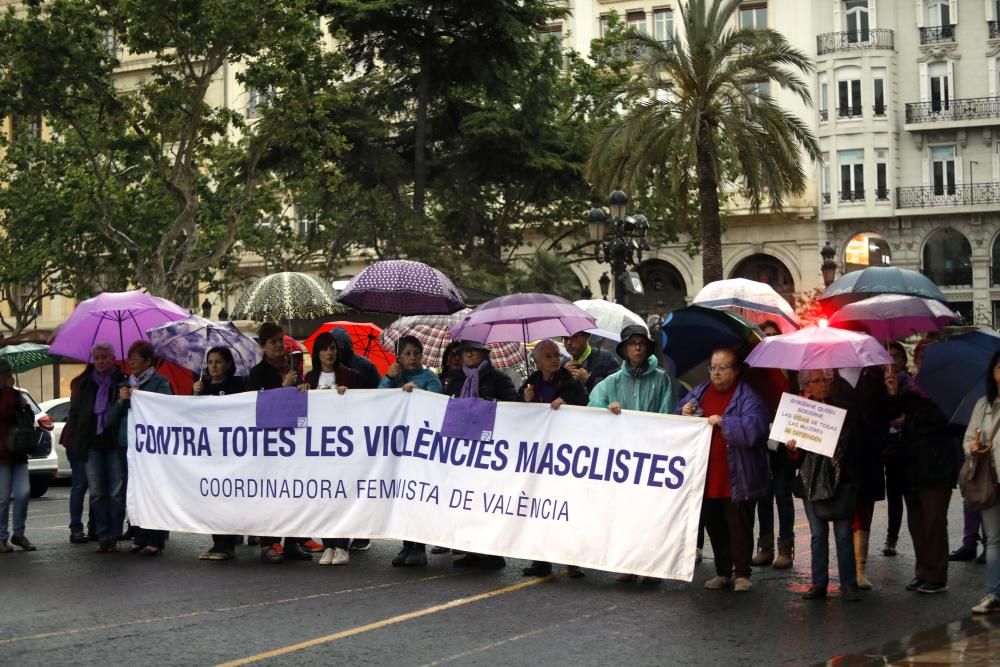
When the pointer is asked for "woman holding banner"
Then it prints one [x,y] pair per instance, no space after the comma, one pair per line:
[329,372]
[408,373]
[220,379]
[555,385]
[737,465]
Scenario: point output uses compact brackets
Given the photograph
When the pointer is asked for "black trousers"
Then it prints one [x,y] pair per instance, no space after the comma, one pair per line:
[224,543]
[145,537]
[730,527]
[336,542]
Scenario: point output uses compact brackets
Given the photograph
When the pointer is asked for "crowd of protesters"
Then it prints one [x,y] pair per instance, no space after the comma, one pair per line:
[896,445]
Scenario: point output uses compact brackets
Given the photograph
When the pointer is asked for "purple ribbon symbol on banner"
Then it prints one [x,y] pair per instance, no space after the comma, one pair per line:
[282,408]
[469,418]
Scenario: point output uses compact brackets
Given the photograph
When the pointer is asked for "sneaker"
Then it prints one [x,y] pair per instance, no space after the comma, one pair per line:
[742,585]
[312,546]
[987,605]
[889,548]
[340,557]
[270,554]
[327,557]
[914,584]
[928,587]
[718,582]
[23,542]
[963,553]
[361,544]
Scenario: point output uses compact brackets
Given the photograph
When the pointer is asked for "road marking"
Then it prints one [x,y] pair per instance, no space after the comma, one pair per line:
[45,516]
[326,639]
[220,610]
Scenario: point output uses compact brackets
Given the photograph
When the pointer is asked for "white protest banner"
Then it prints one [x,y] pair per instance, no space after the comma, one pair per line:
[575,485]
[814,426]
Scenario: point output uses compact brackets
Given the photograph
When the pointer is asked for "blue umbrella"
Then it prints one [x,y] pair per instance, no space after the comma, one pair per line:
[874,280]
[690,334]
[954,372]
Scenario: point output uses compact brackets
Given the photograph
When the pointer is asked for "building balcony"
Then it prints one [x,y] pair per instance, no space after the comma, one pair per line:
[854,40]
[937,34]
[976,194]
[968,111]
[851,196]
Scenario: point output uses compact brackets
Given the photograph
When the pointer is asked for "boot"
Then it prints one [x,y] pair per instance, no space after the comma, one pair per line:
[786,555]
[861,558]
[765,551]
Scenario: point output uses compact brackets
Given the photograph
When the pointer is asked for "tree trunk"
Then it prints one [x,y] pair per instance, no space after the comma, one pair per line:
[708,203]
[420,143]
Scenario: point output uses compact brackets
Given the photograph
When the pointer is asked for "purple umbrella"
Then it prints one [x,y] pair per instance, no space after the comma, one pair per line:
[118,318]
[523,318]
[402,287]
[818,348]
[892,316]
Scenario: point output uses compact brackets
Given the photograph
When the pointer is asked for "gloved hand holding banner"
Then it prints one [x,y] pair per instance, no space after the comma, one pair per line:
[575,485]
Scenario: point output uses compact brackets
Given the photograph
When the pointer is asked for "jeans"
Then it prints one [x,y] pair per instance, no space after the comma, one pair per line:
[14,482]
[843,535]
[107,499]
[991,522]
[780,494]
[77,493]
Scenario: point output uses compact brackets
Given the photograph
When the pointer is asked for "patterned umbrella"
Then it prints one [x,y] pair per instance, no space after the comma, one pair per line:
[27,356]
[285,296]
[434,332]
[118,318]
[874,280]
[186,342]
[754,300]
[364,337]
[402,287]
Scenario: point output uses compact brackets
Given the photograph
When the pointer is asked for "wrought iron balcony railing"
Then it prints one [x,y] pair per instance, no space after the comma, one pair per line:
[849,112]
[882,194]
[994,28]
[955,195]
[937,34]
[824,115]
[852,40]
[851,195]
[826,198]
[962,109]
[879,110]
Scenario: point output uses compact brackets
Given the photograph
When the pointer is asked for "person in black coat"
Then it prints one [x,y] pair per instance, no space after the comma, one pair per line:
[219,379]
[556,386]
[587,365]
[480,380]
[370,377]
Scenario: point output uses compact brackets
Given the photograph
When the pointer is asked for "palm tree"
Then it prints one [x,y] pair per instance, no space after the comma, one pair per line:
[695,110]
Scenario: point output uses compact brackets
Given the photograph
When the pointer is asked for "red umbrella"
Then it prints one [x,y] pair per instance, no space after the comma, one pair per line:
[364,337]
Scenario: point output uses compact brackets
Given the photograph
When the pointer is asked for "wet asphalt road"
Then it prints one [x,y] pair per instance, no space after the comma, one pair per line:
[67,605]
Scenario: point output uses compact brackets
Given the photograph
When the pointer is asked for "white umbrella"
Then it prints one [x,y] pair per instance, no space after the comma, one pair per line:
[611,317]
[756,301]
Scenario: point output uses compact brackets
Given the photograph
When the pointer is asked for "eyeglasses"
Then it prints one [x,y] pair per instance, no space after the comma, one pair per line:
[820,381]
[722,368]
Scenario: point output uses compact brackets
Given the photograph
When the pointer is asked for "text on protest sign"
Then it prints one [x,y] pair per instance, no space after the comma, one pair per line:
[814,426]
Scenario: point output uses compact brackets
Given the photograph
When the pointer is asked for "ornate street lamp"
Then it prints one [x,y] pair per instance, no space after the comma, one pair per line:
[619,240]
[829,266]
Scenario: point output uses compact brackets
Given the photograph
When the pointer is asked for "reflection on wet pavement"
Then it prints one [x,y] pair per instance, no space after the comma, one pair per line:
[970,641]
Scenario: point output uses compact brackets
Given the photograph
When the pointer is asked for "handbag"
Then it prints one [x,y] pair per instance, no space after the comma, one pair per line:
[977,480]
[842,505]
[22,438]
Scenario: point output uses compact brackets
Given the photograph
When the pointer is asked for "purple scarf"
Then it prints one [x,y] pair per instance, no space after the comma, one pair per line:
[471,387]
[102,401]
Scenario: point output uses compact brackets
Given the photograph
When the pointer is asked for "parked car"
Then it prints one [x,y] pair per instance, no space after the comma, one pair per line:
[58,410]
[43,463]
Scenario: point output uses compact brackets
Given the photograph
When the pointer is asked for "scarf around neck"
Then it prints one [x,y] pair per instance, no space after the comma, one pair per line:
[140,379]
[471,387]
[102,399]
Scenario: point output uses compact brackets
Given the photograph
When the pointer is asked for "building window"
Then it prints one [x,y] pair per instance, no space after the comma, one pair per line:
[255,99]
[636,21]
[849,98]
[852,175]
[866,249]
[663,25]
[948,258]
[856,20]
[940,22]
[825,179]
[25,127]
[824,99]
[881,175]
[602,26]
[943,170]
[753,15]
[755,91]
[937,74]
[879,107]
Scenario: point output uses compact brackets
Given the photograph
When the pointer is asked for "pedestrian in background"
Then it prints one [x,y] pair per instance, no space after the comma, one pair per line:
[891,462]
[587,365]
[15,487]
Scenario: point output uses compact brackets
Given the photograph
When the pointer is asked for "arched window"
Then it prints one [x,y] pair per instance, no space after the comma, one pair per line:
[770,270]
[864,250]
[948,258]
[663,289]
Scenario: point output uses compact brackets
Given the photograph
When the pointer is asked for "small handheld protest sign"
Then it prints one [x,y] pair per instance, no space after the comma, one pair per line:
[814,426]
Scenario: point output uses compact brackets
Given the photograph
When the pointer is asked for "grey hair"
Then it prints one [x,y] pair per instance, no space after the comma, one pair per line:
[543,345]
[107,347]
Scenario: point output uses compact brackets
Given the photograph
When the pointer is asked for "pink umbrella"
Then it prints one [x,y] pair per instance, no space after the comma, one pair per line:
[818,348]
[892,316]
[523,318]
[118,318]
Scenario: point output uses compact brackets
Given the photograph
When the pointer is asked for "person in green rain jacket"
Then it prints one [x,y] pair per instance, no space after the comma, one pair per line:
[640,384]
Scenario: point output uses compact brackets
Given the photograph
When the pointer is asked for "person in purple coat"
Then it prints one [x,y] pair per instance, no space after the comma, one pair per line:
[737,465]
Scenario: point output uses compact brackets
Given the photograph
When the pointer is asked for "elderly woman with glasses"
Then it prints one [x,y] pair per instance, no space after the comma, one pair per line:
[737,465]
